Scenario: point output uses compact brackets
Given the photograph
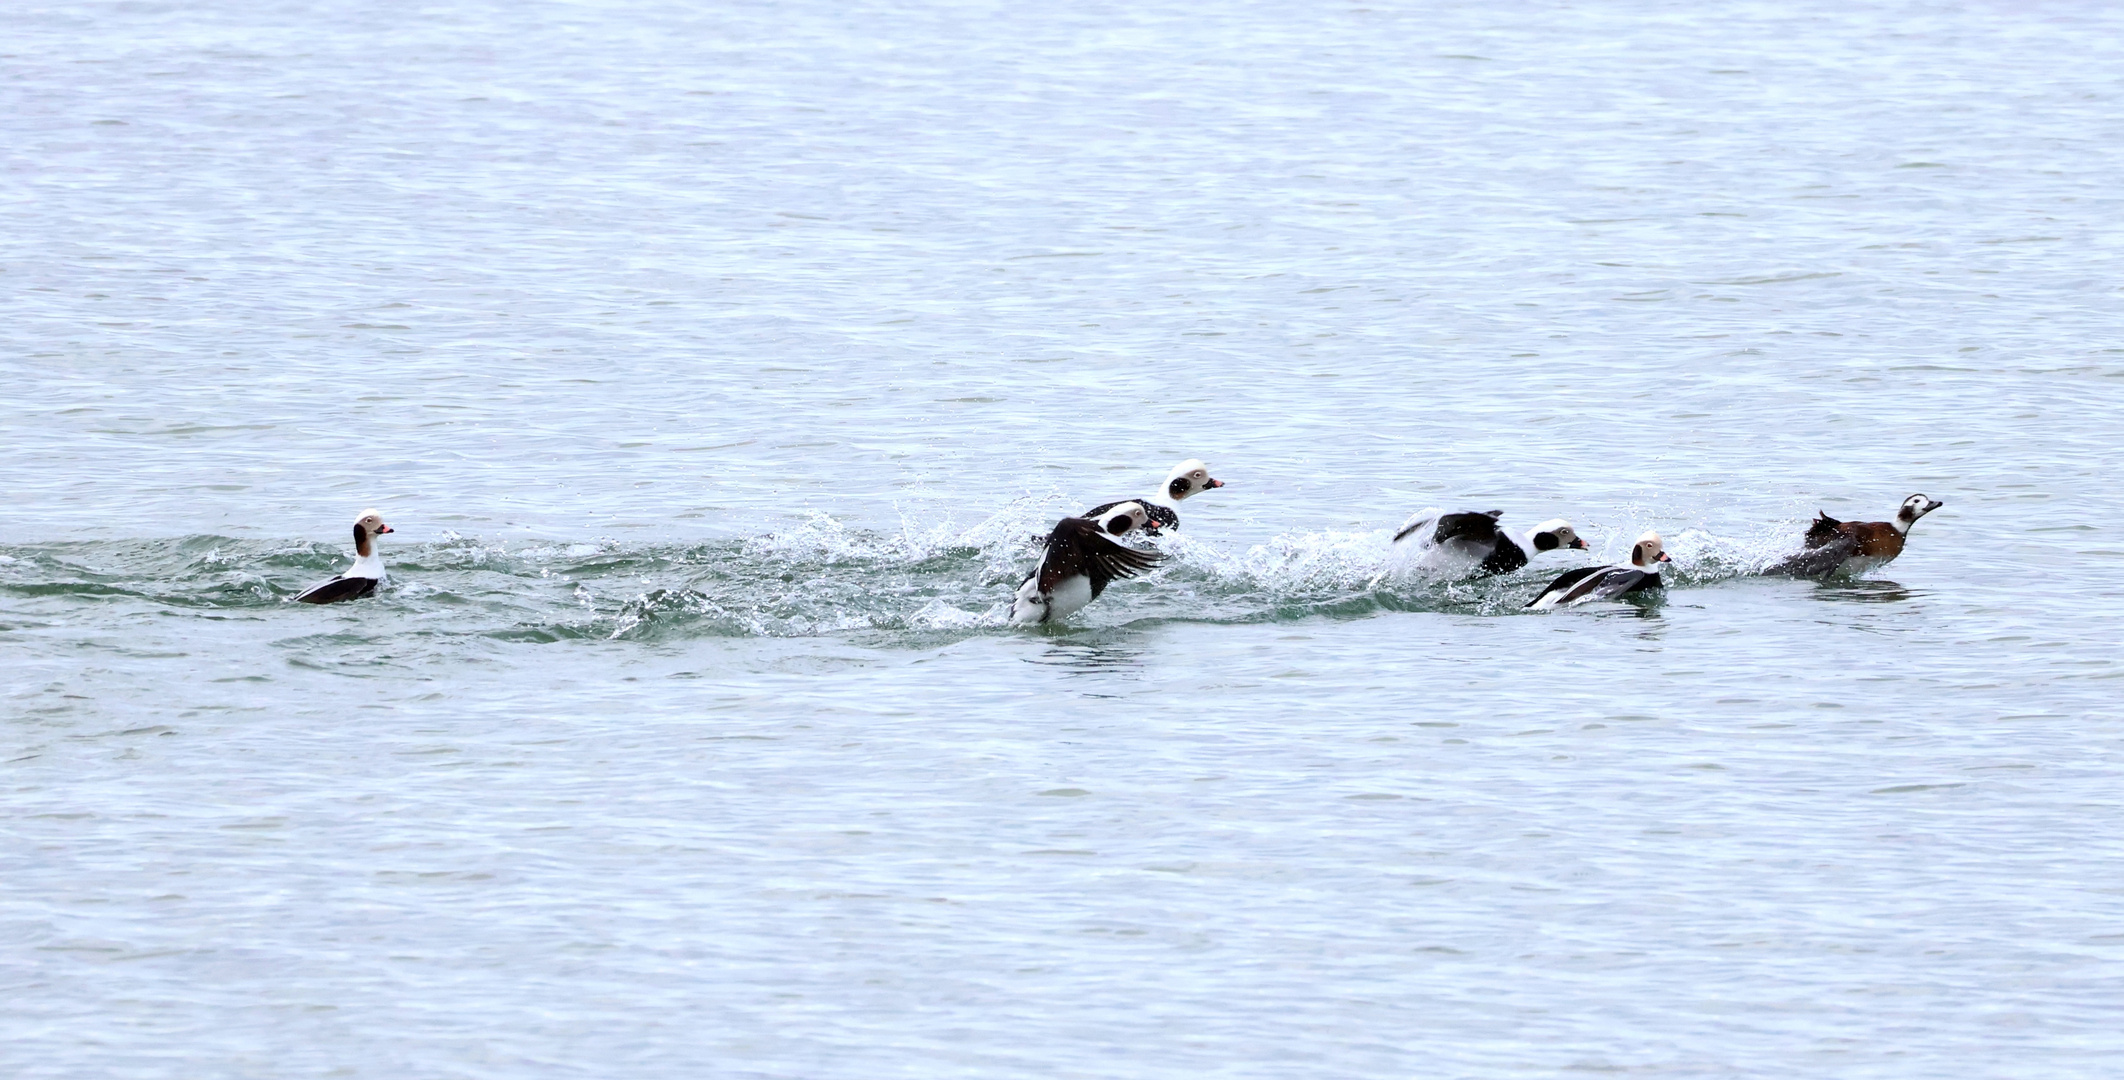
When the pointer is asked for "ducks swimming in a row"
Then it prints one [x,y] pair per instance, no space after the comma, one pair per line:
[1456,546]
[1080,557]
[1831,548]
[1083,554]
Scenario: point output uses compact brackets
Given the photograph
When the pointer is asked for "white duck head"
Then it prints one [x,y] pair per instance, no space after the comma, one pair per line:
[366,528]
[1646,554]
[1190,477]
[1914,507]
[1122,518]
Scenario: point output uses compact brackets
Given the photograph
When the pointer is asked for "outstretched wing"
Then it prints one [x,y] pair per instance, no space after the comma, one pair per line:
[1819,560]
[337,589]
[1474,528]
[1076,546]
[1415,525]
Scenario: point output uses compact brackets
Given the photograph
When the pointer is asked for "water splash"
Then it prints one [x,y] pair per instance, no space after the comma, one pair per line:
[932,576]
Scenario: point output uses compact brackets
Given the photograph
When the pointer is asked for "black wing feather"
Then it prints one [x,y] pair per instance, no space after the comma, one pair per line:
[338,589]
[1819,560]
[1612,585]
[1473,534]
[1566,580]
[1505,553]
[1475,528]
[1647,583]
[1412,527]
[1077,546]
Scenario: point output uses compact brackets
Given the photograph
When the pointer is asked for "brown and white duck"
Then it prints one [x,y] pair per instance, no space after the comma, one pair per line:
[365,575]
[1590,583]
[1835,548]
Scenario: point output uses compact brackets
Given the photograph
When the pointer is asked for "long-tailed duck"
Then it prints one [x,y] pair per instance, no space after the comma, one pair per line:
[1079,563]
[362,578]
[1835,548]
[1468,544]
[1117,519]
[1190,477]
[1589,583]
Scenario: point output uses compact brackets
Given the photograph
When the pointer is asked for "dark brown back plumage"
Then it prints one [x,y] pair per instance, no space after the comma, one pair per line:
[1872,539]
[1077,546]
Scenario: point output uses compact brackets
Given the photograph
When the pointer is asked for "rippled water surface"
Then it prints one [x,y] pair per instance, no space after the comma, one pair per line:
[715,364]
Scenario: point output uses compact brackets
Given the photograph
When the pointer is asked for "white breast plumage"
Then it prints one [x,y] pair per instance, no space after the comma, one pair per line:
[1077,562]
[365,576]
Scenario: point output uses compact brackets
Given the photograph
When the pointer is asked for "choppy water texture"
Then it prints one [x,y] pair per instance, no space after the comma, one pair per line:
[715,363]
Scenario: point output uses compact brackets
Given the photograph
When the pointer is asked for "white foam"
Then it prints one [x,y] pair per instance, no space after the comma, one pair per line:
[1002,538]
[1704,555]
[938,615]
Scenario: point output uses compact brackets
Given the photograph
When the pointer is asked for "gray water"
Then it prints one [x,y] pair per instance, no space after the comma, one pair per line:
[715,363]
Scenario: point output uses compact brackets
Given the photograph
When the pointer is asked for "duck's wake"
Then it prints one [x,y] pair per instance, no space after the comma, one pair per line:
[929,580]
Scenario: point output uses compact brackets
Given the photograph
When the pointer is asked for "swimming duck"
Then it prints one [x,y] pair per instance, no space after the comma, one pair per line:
[1116,519]
[364,576]
[1190,477]
[1467,544]
[1590,583]
[1835,548]
[1079,562]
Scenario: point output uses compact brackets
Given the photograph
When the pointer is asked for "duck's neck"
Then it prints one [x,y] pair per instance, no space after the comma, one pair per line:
[368,558]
